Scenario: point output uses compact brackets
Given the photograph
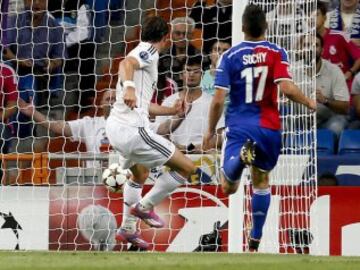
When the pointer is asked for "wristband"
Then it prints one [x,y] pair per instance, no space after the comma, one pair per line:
[352,72]
[128,83]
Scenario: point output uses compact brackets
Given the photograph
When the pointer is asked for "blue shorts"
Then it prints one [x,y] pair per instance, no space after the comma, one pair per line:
[267,149]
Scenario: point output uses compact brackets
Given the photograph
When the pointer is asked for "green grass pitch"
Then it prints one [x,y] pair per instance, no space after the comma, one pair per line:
[173,261]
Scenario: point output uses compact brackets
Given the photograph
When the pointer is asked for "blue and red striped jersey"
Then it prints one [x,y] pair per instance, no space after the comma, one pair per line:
[250,72]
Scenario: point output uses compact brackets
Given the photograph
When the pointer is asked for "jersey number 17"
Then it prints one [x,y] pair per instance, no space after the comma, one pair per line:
[250,74]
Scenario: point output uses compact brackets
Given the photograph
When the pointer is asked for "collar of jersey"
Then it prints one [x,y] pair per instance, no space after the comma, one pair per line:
[254,42]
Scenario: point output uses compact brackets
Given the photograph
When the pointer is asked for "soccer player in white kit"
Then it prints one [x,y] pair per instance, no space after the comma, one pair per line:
[128,131]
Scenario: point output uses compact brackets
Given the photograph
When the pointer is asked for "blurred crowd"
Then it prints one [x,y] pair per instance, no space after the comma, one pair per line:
[49,67]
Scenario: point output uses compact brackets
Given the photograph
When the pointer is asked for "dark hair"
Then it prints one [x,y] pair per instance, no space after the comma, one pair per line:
[321,39]
[154,29]
[195,60]
[254,21]
[322,7]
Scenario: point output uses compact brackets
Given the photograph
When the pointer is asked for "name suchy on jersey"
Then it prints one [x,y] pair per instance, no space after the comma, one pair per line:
[250,72]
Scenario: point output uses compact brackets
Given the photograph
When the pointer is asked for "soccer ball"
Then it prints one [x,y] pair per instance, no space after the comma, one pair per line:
[114,177]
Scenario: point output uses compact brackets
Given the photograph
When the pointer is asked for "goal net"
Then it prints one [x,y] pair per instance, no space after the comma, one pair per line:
[65,55]
[288,228]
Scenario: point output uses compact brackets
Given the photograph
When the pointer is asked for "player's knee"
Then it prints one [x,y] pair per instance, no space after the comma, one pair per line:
[260,178]
[144,176]
[228,188]
[140,177]
[233,170]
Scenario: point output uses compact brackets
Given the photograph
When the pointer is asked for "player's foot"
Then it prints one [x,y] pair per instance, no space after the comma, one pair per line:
[247,153]
[131,237]
[149,216]
[253,245]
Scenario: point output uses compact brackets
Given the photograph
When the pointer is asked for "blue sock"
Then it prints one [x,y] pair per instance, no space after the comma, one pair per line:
[260,205]
[233,168]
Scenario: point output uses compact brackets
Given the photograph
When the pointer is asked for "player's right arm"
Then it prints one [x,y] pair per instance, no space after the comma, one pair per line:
[292,92]
[222,86]
[59,127]
[283,79]
[126,73]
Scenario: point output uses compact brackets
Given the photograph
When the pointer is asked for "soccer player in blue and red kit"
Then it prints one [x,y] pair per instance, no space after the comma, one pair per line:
[251,73]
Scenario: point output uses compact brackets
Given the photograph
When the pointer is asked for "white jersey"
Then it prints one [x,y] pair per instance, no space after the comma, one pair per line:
[145,80]
[91,132]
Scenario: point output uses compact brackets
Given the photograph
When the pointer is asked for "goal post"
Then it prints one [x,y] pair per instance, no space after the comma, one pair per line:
[236,201]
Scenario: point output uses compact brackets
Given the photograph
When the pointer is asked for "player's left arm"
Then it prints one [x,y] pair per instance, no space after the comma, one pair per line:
[216,108]
[222,86]
[216,141]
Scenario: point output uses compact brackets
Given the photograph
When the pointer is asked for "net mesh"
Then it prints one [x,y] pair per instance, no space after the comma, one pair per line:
[65,56]
[292,25]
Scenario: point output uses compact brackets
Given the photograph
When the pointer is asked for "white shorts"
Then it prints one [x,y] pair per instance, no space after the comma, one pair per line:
[138,145]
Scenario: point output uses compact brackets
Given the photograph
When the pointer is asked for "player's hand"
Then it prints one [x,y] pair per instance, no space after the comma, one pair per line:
[130,97]
[26,108]
[207,140]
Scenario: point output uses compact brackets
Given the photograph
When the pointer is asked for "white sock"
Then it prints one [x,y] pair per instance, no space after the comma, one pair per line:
[163,187]
[131,195]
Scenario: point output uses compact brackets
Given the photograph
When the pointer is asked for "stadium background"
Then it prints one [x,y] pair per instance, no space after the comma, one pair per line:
[44,212]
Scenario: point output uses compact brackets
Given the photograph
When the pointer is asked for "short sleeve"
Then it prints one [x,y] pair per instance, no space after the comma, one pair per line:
[222,77]
[10,83]
[355,89]
[281,66]
[77,128]
[143,54]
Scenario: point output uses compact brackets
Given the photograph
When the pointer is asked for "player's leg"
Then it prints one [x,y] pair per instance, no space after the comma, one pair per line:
[268,144]
[152,150]
[181,169]
[231,162]
[132,190]
[260,203]
[126,144]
